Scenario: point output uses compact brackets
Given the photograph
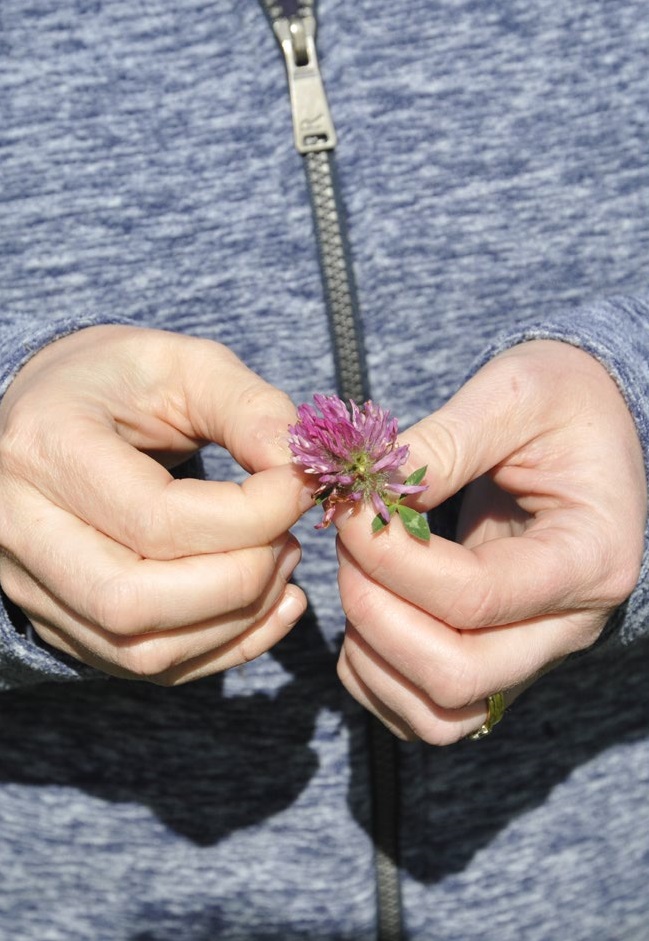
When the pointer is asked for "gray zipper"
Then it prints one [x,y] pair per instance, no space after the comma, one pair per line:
[314,136]
[294,25]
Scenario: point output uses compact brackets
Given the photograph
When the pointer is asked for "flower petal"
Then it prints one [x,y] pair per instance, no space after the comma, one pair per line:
[380,507]
[406,488]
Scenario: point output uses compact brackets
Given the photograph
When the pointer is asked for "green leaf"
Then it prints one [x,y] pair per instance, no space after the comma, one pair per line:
[416,477]
[378,523]
[415,523]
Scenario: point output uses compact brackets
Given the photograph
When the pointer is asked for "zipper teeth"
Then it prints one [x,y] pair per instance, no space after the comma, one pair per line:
[337,277]
[342,308]
[384,758]
[351,375]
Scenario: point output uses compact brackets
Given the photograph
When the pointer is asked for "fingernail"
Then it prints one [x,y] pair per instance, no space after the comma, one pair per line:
[291,608]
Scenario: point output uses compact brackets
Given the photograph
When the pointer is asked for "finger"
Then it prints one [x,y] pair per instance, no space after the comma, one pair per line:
[117,590]
[456,668]
[364,695]
[174,657]
[257,640]
[78,434]
[228,403]
[159,390]
[559,564]
[406,710]
[508,406]
[533,429]
[129,497]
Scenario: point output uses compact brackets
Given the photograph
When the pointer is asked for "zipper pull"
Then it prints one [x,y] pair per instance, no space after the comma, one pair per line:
[313,128]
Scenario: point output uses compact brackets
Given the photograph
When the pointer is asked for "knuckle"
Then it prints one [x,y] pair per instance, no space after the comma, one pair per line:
[246,583]
[456,683]
[439,733]
[116,606]
[378,559]
[522,377]
[149,659]
[257,396]
[248,647]
[478,603]
[360,590]
[248,580]
[151,534]
[438,436]
[428,727]
[359,605]
[258,402]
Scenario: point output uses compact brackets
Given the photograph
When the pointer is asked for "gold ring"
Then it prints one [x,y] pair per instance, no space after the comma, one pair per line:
[495,712]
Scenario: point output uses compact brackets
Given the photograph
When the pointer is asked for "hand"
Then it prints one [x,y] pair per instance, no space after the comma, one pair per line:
[114,561]
[550,543]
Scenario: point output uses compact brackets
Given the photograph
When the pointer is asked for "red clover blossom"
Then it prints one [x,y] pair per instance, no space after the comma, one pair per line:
[356,456]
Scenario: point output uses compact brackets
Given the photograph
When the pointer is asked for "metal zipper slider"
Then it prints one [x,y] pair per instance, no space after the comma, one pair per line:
[313,128]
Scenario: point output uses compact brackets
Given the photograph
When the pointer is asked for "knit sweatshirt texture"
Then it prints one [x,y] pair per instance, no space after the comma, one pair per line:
[492,160]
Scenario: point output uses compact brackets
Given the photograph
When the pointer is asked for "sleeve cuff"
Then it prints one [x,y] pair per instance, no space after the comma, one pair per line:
[25,339]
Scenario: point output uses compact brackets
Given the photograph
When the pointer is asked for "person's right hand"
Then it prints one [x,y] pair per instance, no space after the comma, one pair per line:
[113,560]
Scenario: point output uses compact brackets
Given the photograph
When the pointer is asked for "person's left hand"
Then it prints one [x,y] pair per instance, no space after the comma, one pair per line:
[550,543]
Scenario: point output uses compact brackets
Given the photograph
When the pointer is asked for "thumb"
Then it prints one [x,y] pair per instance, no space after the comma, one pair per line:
[228,403]
[510,402]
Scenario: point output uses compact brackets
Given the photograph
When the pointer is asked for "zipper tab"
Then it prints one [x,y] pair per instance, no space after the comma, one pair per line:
[313,128]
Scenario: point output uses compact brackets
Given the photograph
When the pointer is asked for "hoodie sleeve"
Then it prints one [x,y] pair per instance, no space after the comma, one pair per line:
[616,332]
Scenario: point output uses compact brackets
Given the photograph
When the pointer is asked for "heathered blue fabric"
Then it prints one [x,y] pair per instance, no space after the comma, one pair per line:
[493,161]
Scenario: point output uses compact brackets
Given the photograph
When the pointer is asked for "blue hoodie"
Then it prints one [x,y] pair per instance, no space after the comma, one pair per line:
[492,162]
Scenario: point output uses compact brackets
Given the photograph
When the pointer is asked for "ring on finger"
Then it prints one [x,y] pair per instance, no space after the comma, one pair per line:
[495,712]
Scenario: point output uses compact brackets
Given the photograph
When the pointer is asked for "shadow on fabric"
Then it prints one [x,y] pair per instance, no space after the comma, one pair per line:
[456,800]
[205,764]
[137,743]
